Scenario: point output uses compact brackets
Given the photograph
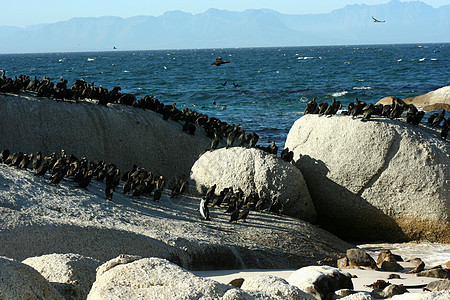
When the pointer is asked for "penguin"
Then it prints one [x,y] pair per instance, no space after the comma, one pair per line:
[204,211]
[438,119]
[157,195]
[215,142]
[234,215]
[444,131]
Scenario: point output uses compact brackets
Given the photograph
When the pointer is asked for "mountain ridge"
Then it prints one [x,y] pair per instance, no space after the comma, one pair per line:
[406,22]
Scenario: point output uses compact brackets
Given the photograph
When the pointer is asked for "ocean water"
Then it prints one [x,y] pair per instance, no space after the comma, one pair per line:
[274,84]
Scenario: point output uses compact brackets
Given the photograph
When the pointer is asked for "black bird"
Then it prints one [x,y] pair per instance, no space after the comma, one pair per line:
[210,192]
[333,107]
[311,106]
[157,195]
[368,111]
[219,61]
[230,138]
[25,161]
[272,149]
[357,108]
[235,84]
[57,177]
[234,215]
[287,155]
[322,107]
[204,211]
[377,21]
[438,119]
[225,83]
[5,154]
[244,213]
[253,140]
[215,141]
[415,120]
[86,180]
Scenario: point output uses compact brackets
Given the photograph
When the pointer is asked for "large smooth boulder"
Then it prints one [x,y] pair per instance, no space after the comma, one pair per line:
[434,100]
[275,286]
[153,278]
[376,180]
[20,281]
[38,218]
[320,281]
[72,275]
[118,134]
[254,170]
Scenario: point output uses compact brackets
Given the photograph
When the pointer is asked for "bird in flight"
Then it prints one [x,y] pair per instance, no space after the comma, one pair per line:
[377,21]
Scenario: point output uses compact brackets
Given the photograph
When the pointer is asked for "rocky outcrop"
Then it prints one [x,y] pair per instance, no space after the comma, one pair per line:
[275,286]
[20,281]
[115,133]
[37,218]
[254,170]
[434,100]
[153,278]
[320,281]
[376,180]
[72,275]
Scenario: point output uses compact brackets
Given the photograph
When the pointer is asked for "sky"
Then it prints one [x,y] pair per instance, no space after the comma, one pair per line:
[21,13]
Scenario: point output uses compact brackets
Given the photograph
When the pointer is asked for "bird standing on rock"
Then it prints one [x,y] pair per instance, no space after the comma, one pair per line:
[204,211]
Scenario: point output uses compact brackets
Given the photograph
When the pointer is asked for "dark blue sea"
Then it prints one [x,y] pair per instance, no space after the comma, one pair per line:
[273,84]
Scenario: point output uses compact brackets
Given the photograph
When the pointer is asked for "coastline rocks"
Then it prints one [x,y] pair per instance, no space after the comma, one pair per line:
[379,180]
[254,170]
[115,133]
[153,278]
[320,281]
[20,281]
[436,273]
[38,218]
[435,100]
[438,285]
[359,258]
[275,286]
[72,275]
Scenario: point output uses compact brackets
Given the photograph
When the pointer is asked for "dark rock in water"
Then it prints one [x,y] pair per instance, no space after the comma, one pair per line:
[383,254]
[393,276]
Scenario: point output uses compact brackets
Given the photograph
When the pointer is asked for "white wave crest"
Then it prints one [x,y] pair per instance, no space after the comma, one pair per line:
[90,59]
[362,88]
[339,94]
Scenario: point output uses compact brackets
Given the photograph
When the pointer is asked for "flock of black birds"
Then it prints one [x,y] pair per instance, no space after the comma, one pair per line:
[233,201]
[392,111]
[214,128]
[137,182]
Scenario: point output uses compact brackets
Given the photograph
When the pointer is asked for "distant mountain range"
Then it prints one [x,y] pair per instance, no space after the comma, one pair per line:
[405,22]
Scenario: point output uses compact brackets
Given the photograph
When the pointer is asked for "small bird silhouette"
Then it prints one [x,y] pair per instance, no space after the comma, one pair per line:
[377,21]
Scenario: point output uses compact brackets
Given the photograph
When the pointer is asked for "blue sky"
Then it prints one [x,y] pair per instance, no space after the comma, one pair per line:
[29,12]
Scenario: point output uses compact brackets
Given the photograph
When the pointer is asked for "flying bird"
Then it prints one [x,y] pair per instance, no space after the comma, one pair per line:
[377,21]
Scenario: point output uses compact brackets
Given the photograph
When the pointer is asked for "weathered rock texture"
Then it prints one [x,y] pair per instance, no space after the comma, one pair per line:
[118,134]
[19,281]
[320,281]
[434,100]
[72,275]
[275,286]
[257,171]
[153,278]
[37,218]
[376,180]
